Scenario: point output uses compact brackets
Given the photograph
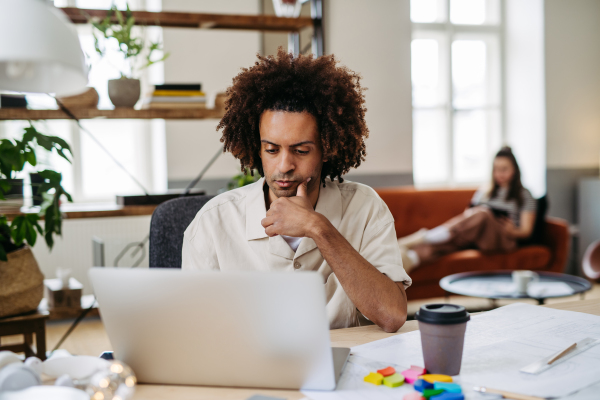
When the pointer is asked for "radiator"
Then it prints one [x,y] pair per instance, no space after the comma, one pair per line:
[74,249]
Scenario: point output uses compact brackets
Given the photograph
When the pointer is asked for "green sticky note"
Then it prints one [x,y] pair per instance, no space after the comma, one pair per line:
[427,393]
[393,380]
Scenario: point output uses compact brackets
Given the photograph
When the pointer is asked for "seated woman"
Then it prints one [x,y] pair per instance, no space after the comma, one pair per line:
[498,218]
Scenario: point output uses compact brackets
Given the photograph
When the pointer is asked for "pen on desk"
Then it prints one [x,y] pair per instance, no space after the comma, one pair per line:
[507,395]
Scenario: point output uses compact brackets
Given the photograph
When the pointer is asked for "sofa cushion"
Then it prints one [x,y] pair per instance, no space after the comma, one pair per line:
[529,257]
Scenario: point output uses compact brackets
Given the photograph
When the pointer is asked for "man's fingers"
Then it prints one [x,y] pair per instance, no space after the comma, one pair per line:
[303,189]
[270,231]
[266,222]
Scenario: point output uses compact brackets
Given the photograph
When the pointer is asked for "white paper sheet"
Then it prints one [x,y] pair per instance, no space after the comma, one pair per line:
[497,344]
[549,289]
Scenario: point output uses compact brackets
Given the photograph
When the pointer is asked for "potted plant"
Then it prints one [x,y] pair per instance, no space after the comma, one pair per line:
[243,179]
[124,92]
[21,282]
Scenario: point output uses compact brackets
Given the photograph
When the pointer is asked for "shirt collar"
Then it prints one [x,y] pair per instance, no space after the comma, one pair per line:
[329,204]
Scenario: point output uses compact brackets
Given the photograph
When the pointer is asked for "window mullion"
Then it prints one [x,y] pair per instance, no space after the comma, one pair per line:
[450,96]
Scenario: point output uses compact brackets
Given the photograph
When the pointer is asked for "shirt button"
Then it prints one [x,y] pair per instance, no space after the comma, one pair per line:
[297,265]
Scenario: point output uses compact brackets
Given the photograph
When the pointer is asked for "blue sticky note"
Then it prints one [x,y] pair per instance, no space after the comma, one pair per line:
[421,385]
[448,387]
[448,396]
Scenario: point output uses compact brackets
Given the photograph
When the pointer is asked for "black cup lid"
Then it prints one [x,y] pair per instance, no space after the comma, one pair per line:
[442,314]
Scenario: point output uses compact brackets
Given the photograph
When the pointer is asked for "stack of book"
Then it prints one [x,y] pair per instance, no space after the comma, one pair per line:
[176,95]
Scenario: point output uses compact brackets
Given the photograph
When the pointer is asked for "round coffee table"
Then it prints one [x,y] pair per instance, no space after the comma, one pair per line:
[499,285]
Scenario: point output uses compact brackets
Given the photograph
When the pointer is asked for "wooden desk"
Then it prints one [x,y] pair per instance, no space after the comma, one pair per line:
[90,338]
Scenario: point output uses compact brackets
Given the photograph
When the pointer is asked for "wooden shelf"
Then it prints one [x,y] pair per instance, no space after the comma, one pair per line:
[202,21]
[120,113]
[75,211]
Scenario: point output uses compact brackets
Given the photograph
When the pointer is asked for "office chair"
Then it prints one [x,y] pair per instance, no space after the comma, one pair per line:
[591,262]
[169,221]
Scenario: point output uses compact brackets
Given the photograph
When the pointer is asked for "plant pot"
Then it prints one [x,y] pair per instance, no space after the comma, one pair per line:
[124,92]
[21,283]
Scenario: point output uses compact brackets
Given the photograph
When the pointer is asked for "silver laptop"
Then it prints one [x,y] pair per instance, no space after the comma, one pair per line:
[244,329]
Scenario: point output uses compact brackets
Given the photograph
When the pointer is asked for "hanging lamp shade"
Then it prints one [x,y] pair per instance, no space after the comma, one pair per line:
[39,50]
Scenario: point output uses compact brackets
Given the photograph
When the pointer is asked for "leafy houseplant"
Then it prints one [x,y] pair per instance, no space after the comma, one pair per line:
[243,179]
[14,155]
[125,91]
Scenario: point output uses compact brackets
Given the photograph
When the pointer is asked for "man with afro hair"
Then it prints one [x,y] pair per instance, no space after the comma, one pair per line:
[299,122]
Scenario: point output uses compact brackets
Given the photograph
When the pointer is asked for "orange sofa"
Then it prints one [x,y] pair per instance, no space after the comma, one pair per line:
[415,209]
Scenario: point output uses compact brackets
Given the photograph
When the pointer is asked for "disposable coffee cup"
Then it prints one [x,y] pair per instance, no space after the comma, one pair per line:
[442,329]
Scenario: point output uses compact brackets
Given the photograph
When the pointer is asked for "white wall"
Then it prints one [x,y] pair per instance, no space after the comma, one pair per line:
[212,58]
[373,38]
[525,97]
[572,38]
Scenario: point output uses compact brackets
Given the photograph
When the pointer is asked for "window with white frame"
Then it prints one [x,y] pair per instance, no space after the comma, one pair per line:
[139,145]
[456,56]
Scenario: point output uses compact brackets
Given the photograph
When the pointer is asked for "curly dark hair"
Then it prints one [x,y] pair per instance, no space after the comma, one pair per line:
[331,93]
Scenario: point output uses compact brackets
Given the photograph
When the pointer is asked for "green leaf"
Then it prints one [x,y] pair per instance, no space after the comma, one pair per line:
[3,256]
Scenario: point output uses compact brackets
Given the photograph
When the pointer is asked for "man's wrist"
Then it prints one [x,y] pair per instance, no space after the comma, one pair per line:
[319,227]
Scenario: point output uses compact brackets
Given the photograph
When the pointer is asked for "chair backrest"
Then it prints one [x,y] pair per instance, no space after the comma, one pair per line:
[591,262]
[169,221]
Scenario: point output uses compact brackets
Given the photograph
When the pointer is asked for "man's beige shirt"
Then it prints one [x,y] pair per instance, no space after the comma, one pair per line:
[227,235]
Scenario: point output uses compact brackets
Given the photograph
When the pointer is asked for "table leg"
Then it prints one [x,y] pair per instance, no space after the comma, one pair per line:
[40,340]
[541,301]
[28,344]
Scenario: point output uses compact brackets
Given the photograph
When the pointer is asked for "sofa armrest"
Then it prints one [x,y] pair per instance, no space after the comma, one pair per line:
[558,239]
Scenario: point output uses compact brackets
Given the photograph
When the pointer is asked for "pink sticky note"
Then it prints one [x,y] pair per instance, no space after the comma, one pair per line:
[410,375]
[420,370]
[414,396]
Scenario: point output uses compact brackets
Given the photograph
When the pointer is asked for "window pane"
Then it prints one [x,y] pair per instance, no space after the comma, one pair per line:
[430,146]
[469,73]
[424,11]
[471,12]
[104,4]
[425,72]
[102,178]
[474,133]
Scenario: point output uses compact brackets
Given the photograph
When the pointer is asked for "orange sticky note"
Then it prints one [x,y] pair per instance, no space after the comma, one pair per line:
[374,377]
[387,371]
[431,378]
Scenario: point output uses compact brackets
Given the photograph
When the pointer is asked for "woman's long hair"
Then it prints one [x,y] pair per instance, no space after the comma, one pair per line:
[515,190]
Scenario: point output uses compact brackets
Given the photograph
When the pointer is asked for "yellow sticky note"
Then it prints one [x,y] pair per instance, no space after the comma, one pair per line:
[374,378]
[393,380]
[431,378]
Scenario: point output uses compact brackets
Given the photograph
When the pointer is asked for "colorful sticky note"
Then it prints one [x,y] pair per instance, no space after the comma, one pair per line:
[410,375]
[427,393]
[374,378]
[421,385]
[431,378]
[387,371]
[448,396]
[393,380]
[448,387]
[420,370]
[414,396]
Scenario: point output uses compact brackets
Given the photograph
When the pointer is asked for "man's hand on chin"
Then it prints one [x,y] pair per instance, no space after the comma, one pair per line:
[291,216]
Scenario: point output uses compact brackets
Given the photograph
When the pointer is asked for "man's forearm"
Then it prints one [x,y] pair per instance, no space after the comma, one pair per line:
[373,293]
